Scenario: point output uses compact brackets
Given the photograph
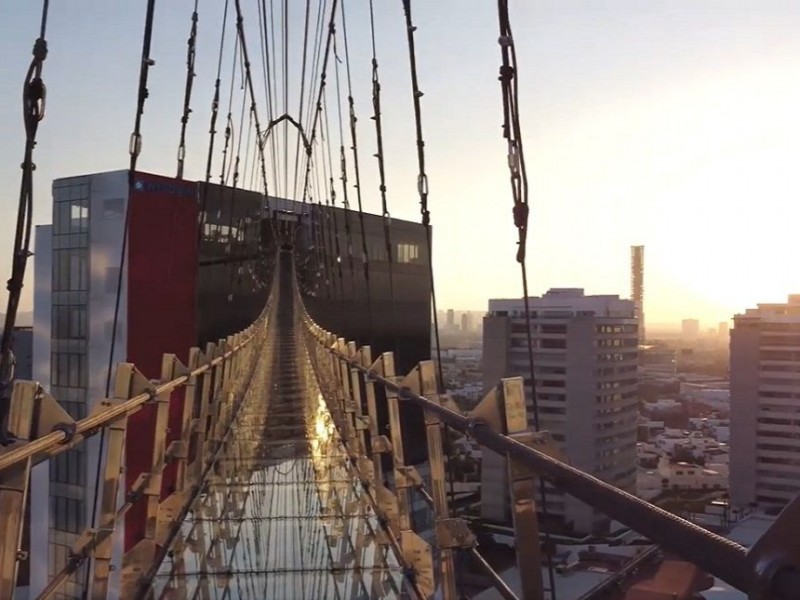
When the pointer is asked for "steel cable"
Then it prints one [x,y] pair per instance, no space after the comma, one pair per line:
[34,97]
[187,94]
[134,149]
[357,173]
[519,189]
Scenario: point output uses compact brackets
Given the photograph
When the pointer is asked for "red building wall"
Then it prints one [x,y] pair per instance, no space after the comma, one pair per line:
[162,317]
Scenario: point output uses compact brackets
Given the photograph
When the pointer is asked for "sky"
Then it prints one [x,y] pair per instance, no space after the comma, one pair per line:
[668,123]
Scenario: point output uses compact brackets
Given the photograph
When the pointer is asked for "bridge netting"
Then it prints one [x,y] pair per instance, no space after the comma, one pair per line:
[282,512]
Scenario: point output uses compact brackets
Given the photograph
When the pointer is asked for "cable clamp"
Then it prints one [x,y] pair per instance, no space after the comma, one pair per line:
[69,430]
[40,50]
[520,212]
[506,73]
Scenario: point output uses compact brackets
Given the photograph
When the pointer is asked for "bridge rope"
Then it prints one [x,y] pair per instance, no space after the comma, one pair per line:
[343,171]
[315,122]
[234,187]
[422,190]
[248,81]
[212,128]
[302,98]
[332,188]
[34,96]
[229,129]
[512,132]
[268,76]
[134,149]
[357,172]
[422,178]
[285,76]
[187,94]
[312,107]
[379,155]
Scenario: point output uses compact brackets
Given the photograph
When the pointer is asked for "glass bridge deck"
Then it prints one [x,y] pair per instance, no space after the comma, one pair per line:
[282,514]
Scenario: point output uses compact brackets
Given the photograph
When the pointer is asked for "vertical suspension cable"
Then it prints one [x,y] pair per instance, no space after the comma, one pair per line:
[34,95]
[212,129]
[268,79]
[302,98]
[134,149]
[422,189]
[285,57]
[278,181]
[512,132]
[422,178]
[229,127]
[357,173]
[377,118]
[248,81]
[322,83]
[187,94]
[329,214]
[333,195]
[343,170]
[311,107]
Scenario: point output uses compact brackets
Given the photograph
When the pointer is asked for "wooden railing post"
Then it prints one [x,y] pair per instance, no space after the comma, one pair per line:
[422,381]
[128,383]
[14,486]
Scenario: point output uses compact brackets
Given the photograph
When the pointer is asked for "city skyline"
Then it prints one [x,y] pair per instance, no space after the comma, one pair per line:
[235,378]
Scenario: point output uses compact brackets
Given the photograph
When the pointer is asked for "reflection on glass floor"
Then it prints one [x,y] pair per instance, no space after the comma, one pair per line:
[282,515]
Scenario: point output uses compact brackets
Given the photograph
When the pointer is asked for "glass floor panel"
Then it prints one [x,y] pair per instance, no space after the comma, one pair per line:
[281,514]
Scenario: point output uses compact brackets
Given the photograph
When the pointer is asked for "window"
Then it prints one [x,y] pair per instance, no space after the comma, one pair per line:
[407,253]
[554,329]
[553,343]
[68,369]
[68,468]
[71,217]
[66,514]
[70,270]
[69,322]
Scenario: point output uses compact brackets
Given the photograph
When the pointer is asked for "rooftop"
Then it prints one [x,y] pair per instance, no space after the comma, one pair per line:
[568,300]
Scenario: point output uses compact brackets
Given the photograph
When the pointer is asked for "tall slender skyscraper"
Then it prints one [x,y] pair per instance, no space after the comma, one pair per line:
[637,286]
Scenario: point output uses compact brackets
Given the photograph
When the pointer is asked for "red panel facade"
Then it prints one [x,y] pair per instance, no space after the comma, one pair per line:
[162,317]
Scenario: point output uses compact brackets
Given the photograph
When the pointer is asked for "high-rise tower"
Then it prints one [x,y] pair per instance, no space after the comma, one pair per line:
[765,445]
[637,286]
[587,381]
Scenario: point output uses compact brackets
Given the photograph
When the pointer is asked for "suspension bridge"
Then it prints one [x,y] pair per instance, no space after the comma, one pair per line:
[280,460]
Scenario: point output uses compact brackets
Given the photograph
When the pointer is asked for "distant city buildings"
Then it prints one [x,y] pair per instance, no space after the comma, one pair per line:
[690,328]
[466,322]
[460,322]
[765,422]
[586,357]
[723,331]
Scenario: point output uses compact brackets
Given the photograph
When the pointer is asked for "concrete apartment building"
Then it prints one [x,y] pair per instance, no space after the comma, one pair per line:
[765,404]
[586,359]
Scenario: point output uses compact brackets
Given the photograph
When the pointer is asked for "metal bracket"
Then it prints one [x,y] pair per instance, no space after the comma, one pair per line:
[454,533]
[168,511]
[407,477]
[381,445]
[48,413]
[776,550]
[177,449]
